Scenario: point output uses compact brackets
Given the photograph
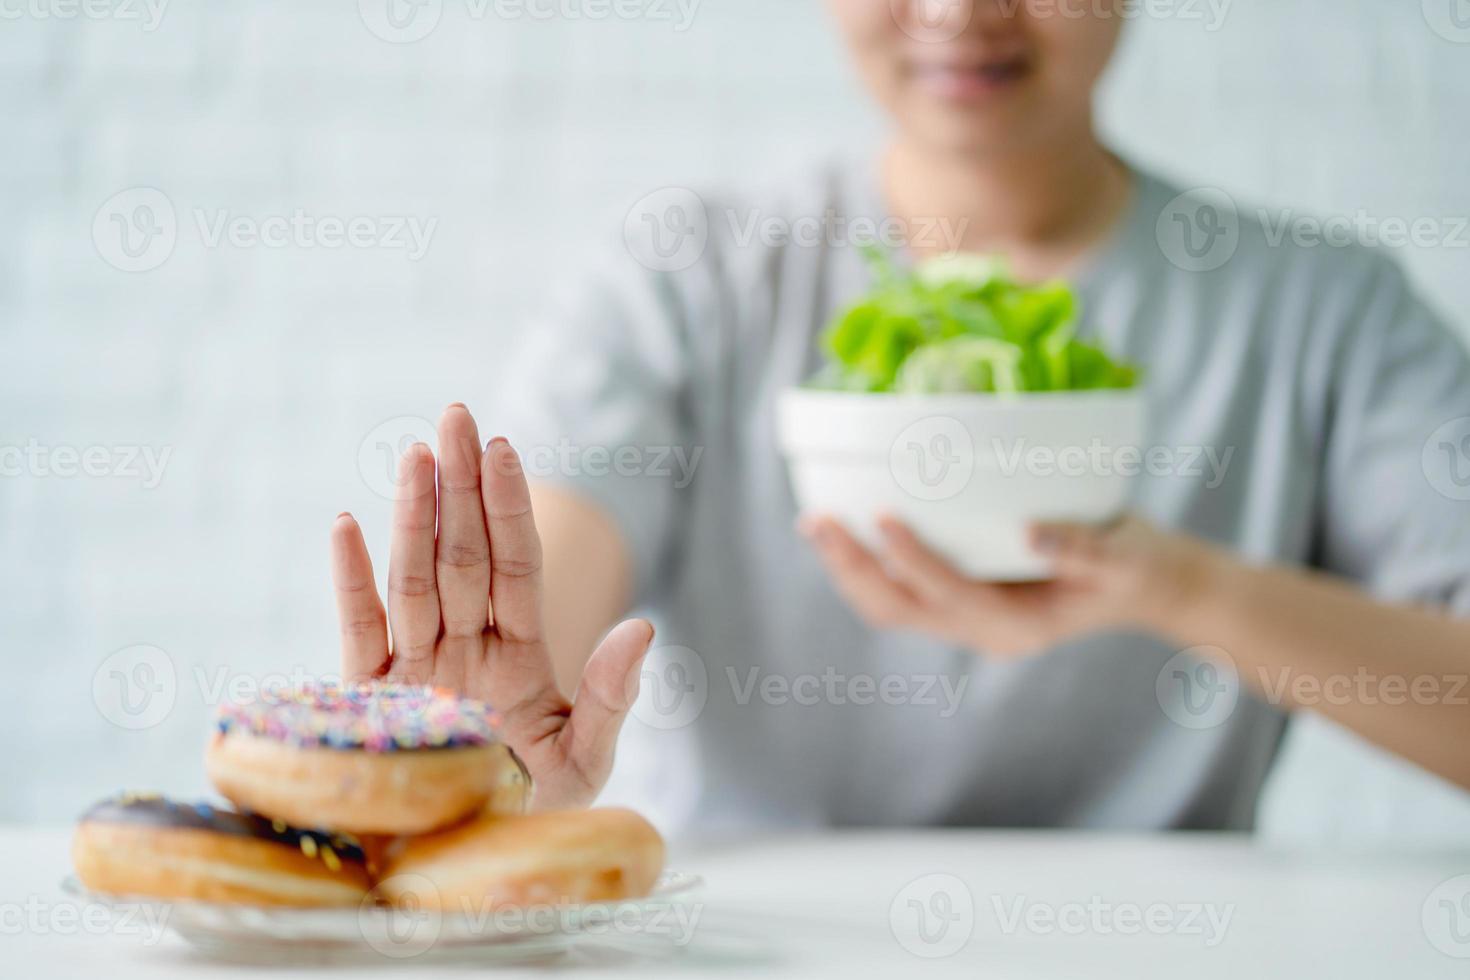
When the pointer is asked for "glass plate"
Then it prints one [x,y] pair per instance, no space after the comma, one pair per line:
[660,921]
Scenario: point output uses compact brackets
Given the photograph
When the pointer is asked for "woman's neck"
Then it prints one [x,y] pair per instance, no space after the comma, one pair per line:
[1042,211]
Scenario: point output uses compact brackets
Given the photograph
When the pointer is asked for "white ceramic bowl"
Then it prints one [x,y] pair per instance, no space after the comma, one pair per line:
[968,473]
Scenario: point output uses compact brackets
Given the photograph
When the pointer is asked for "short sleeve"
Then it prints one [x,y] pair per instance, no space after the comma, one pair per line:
[1397,483]
[592,398]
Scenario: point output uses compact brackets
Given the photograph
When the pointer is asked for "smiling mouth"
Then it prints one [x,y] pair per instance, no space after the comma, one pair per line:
[962,80]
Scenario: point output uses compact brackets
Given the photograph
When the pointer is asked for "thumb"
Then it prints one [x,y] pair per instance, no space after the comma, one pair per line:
[608,689]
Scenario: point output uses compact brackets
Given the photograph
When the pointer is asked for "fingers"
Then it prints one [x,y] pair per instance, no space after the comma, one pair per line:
[363,624]
[918,566]
[1075,550]
[859,577]
[608,689]
[462,550]
[515,547]
[413,596]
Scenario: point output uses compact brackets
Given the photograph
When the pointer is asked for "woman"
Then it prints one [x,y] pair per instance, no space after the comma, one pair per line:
[1315,372]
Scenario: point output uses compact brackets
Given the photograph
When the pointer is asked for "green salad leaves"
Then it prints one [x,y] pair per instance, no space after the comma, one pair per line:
[959,323]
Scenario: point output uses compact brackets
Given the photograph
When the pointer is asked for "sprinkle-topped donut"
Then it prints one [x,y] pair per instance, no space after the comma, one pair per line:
[379,717]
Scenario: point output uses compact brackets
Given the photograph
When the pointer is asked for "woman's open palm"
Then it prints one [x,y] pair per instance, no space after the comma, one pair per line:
[464,612]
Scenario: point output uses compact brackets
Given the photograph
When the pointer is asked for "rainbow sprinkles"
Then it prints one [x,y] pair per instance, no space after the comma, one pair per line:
[381,717]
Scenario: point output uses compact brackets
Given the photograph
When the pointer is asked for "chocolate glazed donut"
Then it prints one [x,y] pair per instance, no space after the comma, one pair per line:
[145,846]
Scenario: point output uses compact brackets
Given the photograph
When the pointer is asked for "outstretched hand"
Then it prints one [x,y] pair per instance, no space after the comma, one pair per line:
[465,612]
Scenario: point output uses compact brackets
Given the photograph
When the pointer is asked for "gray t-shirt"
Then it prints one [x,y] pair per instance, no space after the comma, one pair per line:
[1313,375]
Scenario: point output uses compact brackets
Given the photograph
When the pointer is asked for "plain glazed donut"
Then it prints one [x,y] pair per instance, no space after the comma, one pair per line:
[569,856]
[144,846]
[373,759]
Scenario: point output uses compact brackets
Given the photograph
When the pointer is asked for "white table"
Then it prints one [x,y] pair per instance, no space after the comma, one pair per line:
[843,905]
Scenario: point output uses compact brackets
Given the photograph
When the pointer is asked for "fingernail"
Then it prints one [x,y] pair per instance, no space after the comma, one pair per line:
[344,514]
[1045,540]
[456,405]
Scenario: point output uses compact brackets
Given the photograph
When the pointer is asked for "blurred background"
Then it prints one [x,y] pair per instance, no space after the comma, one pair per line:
[183,418]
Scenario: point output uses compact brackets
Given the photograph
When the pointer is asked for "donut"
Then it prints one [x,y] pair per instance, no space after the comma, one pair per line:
[571,856]
[384,759]
[145,846]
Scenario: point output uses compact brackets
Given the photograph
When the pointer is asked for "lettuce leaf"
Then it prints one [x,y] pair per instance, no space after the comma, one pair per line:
[960,323]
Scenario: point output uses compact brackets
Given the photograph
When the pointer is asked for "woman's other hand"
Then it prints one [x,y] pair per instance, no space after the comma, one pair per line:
[1125,575]
[465,612]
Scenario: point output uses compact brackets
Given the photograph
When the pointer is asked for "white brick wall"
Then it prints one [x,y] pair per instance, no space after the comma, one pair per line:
[265,369]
